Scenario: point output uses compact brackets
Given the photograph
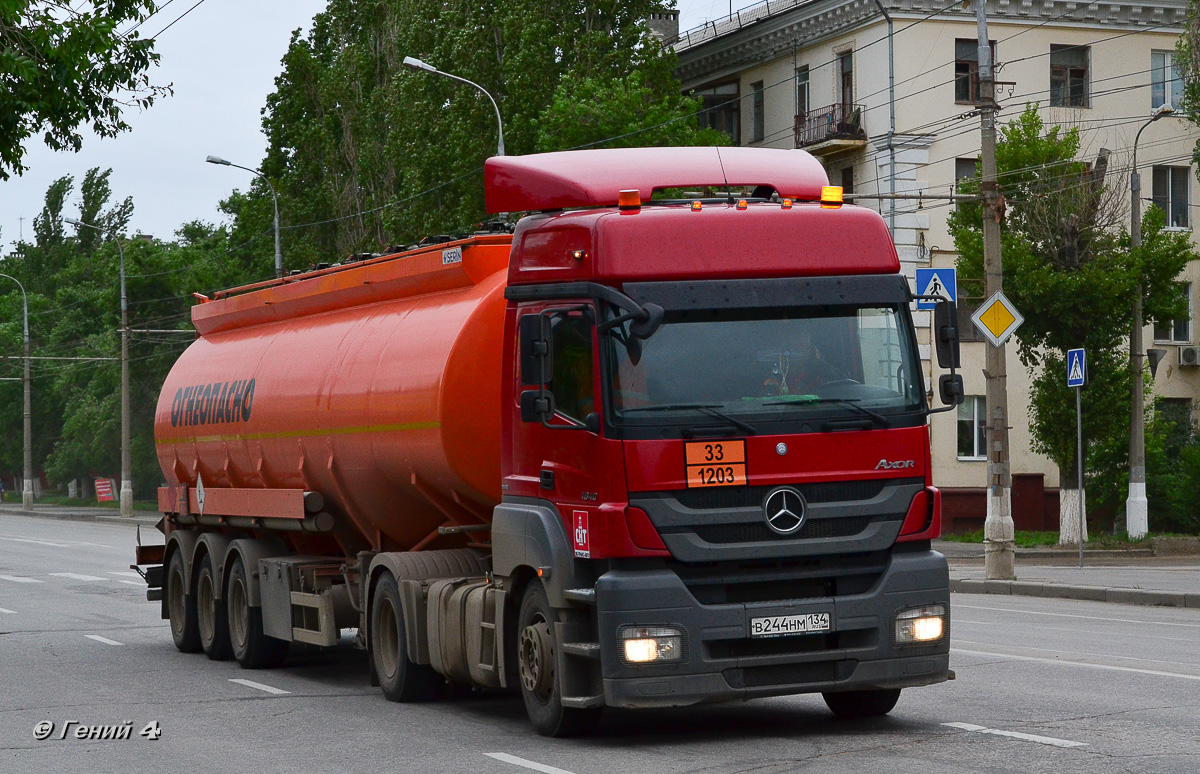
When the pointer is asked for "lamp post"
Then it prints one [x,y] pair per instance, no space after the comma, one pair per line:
[416,64]
[274,197]
[126,462]
[1136,505]
[27,487]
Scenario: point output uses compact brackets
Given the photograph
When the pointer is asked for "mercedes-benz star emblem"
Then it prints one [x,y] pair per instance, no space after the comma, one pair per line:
[783,510]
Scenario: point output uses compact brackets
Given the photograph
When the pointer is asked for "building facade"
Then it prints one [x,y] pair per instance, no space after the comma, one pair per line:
[815,74]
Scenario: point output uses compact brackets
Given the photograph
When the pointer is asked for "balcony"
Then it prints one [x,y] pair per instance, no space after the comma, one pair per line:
[831,130]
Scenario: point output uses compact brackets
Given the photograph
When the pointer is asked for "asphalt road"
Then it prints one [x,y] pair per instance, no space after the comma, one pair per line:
[1044,685]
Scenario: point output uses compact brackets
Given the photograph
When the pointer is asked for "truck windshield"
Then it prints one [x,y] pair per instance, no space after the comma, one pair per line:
[767,366]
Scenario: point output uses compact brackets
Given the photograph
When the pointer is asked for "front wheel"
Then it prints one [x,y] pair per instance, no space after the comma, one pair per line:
[251,648]
[537,654]
[862,704]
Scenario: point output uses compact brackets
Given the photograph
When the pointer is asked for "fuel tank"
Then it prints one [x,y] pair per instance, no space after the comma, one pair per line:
[375,383]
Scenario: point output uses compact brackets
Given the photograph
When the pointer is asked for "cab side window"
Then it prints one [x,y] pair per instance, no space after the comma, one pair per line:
[573,382]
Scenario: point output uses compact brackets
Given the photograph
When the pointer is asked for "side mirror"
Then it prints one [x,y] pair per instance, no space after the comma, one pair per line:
[537,350]
[644,329]
[951,389]
[537,406]
[945,328]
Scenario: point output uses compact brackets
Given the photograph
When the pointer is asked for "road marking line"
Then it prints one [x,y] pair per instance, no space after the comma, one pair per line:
[258,686]
[125,574]
[1017,735]
[19,579]
[1068,662]
[514,760]
[133,583]
[6,610]
[77,576]
[1085,653]
[1070,615]
[105,640]
[38,542]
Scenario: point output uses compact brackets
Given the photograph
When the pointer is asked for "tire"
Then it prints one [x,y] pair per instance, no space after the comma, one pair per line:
[862,704]
[251,648]
[212,615]
[537,653]
[400,679]
[181,606]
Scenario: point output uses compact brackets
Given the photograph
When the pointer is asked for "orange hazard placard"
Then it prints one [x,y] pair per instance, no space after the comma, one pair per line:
[715,463]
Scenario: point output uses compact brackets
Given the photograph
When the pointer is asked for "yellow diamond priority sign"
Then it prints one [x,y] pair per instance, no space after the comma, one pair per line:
[997,319]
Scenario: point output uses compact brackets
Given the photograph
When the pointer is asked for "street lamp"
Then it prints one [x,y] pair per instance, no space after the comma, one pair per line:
[27,487]
[1137,507]
[416,64]
[126,463]
[274,197]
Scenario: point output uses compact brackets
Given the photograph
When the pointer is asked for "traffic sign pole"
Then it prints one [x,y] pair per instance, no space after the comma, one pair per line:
[1079,461]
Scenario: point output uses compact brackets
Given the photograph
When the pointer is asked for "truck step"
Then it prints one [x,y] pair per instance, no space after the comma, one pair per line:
[582,702]
[586,596]
[585,649]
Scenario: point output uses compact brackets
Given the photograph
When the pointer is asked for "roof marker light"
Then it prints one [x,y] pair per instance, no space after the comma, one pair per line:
[629,199]
[831,196]
[787,204]
[579,255]
[697,205]
[741,205]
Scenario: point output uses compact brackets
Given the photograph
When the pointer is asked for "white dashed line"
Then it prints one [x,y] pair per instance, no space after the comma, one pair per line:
[1017,735]
[514,760]
[37,542]
[258,686]
[125,574]
[19,579]
[133,583]
[6,610]
[105,640]
[77,576]
[1084,664]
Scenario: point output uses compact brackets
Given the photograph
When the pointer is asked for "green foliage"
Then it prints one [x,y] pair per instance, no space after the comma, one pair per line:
[356,140]
[63,67]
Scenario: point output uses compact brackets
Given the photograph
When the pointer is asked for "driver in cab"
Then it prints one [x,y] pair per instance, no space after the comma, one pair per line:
[798,369]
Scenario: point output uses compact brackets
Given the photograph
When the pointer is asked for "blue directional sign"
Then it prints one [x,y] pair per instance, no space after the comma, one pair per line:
[1076,367]
[936,282]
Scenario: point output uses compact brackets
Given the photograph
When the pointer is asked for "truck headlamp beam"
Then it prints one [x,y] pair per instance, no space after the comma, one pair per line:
[651,644]
[919,625]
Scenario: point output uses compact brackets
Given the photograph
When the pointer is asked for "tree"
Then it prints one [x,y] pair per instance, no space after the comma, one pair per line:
[379,155]
[1069,269]
[63,68]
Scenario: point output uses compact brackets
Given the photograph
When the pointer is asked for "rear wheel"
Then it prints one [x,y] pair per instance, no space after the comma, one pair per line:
[181,606]
[537,654]
[862,704]
[211,615]
[251,648]
[400,678]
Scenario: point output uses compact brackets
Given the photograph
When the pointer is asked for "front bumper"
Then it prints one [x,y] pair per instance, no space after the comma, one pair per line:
[721,662]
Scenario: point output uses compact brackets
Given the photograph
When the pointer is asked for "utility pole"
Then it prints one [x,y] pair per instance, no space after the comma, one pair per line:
[27,486]
[998,535]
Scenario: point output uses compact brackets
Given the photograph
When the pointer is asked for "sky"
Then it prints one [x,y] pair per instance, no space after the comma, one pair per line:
[221,59]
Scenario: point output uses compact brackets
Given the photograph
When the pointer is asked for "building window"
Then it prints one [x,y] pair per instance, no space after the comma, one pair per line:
[1171,194]
[847,180]
[1166,80]
[1176,415]
[758,119]
[1177,331]
[964,169]
[1069,76]
[966,69]
[721,109]
[972,433]
[845,68]
[802,90]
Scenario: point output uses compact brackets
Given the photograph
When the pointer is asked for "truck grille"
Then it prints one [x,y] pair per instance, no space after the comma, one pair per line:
[710,498]
[758,531]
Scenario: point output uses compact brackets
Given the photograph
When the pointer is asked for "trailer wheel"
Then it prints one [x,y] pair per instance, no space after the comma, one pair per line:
[251,648]
[211,615]
[181,607]
[537,653]
[862,704]
[400,679]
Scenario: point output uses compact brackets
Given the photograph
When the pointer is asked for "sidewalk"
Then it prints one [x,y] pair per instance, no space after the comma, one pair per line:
[1135,577]
[81,513]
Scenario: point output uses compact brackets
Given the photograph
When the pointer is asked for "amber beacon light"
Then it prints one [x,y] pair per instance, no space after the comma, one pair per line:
[831,196]
[629,199]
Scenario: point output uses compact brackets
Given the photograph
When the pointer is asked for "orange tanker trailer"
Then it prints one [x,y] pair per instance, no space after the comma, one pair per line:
[635,452]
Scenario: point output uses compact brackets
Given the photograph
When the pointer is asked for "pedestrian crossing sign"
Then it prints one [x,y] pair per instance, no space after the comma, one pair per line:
[936,282]
[1076,367]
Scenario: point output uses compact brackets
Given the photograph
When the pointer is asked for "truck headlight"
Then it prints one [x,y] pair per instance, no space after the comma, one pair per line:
[651,644]
[919,625]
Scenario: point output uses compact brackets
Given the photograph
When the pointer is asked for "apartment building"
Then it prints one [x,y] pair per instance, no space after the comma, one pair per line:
[814,74]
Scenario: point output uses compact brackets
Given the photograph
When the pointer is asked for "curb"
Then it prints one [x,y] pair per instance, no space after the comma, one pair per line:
[113,518]
[1123,596]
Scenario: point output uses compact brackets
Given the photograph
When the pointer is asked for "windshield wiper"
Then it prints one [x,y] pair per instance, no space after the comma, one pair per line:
[851,403]
[707,408]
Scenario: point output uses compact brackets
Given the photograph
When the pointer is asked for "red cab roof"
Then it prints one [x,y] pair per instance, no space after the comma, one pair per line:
[589,178]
